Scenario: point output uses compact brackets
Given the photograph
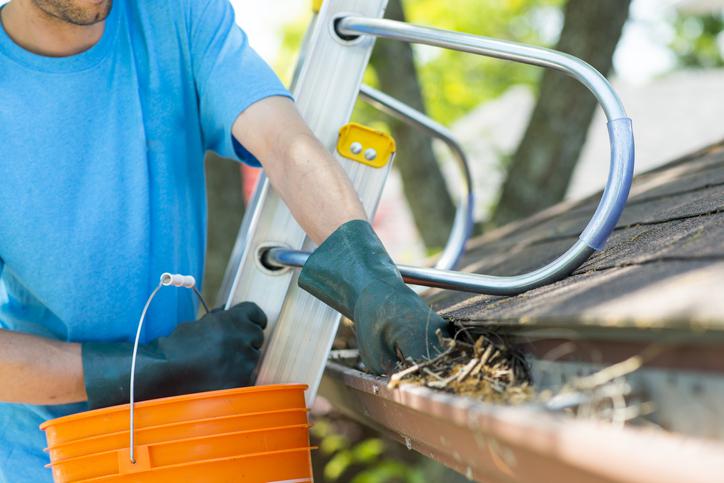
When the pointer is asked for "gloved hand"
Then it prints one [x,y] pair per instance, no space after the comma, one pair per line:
[218,351]
[352,273]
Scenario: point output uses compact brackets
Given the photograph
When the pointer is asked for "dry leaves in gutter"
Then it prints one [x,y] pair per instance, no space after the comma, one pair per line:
[487,370]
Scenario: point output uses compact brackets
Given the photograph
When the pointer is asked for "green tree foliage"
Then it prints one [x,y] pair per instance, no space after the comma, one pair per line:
[362,461]
[699,40]
[350,453]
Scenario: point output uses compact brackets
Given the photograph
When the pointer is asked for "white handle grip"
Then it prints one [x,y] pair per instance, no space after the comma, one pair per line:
[177,280]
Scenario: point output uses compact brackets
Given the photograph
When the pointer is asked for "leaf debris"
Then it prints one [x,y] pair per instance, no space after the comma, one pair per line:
[488,370]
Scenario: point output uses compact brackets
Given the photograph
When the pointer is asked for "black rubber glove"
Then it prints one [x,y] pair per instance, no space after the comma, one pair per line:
[218,351]
[352,273]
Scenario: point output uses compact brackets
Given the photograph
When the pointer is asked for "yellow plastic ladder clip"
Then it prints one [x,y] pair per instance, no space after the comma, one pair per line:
[365,145]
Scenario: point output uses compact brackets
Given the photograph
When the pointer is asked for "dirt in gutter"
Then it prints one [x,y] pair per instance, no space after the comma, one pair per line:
[487,368]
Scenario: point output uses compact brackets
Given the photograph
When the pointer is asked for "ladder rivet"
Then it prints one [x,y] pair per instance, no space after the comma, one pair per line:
[370,154]
[356,148]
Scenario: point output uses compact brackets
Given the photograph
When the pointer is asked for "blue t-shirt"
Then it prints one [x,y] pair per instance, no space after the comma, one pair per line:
[102,181]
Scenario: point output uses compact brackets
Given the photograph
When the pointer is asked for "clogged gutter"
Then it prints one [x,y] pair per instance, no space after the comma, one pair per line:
[486,368]
[493,370]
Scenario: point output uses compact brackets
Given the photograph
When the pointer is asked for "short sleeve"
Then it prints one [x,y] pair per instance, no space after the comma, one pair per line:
[230,76]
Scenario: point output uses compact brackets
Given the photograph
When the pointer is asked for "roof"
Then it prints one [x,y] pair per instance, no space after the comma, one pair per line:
[659,283]
[663,266]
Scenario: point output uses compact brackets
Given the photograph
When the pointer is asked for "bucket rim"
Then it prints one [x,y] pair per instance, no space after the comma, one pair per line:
[171,399]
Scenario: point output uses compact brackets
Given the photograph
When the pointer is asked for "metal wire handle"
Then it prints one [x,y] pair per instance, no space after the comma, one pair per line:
[167,280]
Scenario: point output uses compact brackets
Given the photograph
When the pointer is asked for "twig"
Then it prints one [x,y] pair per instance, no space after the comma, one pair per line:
[478,347]
[431,373]
[398,376]
[608,374]
[467,369]
[442,383]
[486,355]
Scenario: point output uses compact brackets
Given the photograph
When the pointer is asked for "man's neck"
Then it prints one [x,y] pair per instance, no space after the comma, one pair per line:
[40,33]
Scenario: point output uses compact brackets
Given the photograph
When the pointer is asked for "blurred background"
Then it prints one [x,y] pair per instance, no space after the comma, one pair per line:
[534,138]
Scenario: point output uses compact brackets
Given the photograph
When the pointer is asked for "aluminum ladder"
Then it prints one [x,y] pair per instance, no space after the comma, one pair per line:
[326,84]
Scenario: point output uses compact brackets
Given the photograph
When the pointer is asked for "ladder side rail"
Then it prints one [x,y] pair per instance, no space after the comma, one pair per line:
[238,252]
[250,211]
[300,328]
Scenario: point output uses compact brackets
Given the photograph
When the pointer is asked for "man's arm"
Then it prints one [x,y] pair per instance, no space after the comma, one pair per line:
[393,323]
[36,370]
[306,176]
[219,350]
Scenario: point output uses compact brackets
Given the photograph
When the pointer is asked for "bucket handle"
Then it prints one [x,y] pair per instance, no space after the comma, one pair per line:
[167,280]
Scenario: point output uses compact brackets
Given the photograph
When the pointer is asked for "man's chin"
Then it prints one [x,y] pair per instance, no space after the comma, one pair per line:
[76,12]
[93,13]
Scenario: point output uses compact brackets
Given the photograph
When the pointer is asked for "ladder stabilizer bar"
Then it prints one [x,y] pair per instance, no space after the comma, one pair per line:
[620,131]
[615,193]
[280,258]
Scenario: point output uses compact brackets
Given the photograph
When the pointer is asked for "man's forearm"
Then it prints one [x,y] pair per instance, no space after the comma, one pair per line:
[35,370]
[314,186]
[306,176]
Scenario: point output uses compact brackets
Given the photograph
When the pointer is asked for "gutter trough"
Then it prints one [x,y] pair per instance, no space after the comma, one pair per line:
[487,442]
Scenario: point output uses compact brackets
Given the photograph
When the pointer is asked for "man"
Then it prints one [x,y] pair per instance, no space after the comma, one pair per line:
[106,110]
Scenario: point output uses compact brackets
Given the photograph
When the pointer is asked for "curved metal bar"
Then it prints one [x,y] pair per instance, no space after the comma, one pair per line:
[620,134]
[463,223]
[280,258]
[488,47]
[467,282]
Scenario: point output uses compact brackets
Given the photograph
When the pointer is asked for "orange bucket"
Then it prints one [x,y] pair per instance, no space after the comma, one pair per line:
[257,433]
